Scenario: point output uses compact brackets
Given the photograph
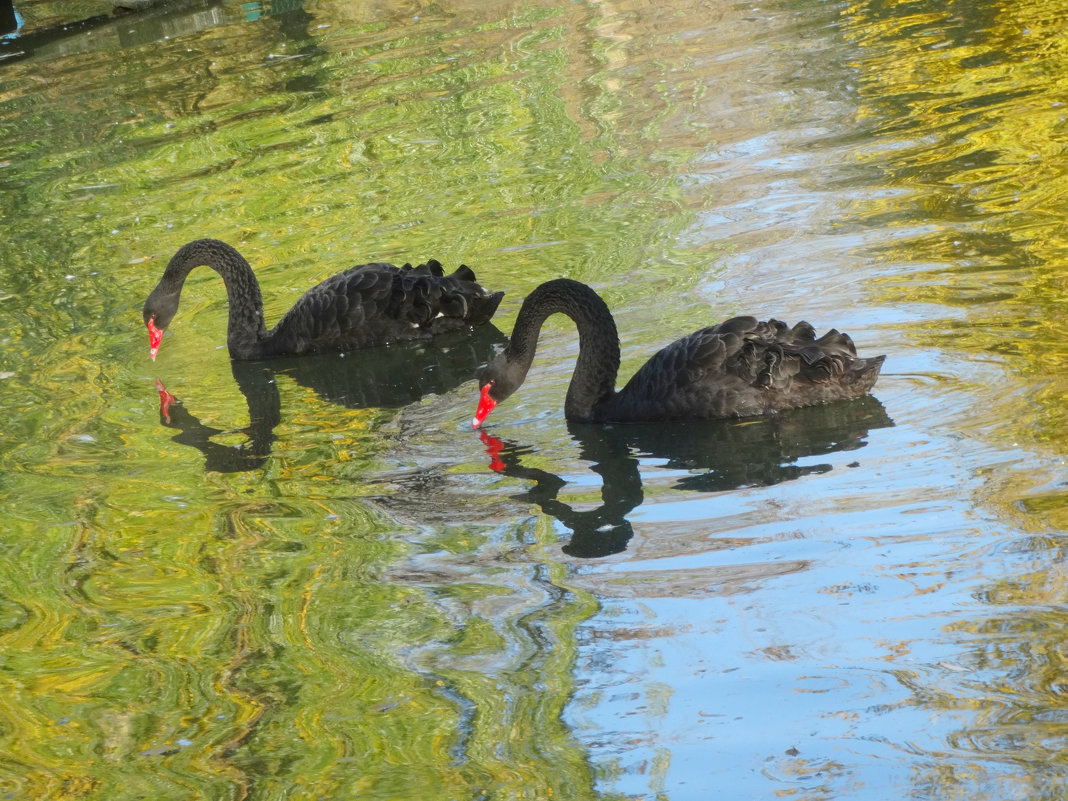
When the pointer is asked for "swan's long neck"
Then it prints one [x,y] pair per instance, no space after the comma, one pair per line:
[245,328]
[594,379]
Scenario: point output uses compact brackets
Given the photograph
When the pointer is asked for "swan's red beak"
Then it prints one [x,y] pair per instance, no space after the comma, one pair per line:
[165,401]
[155,336]
[485,406]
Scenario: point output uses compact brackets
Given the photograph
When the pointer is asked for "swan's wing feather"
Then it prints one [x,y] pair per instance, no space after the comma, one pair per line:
[675,367]
[744,366]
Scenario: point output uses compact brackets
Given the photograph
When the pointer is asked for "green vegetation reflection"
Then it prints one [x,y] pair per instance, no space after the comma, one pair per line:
[168,632]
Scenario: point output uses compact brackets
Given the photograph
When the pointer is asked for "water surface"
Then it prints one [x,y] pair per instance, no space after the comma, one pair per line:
[310,579]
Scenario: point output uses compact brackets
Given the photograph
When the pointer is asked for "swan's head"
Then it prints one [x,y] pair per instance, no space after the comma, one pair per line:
[157,313]
[500,378]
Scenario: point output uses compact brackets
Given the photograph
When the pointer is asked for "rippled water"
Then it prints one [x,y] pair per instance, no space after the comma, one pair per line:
[310,579]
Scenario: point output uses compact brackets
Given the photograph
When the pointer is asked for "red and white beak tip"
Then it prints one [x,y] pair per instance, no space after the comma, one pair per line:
[155,336]
[485,406]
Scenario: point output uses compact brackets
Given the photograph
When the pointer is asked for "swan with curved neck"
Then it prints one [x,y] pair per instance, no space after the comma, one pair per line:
[368,305]
[739,368]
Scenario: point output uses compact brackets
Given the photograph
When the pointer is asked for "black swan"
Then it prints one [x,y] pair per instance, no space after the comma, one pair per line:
[738,368]
[368,305]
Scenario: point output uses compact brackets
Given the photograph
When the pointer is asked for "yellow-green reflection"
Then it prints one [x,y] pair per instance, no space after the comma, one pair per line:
[276,632]
[964,104]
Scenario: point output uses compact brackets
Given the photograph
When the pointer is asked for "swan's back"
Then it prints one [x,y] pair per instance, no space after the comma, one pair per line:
[373,304]
[743,367]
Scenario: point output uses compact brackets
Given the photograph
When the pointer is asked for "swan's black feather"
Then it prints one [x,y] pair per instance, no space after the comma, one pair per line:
[739,368]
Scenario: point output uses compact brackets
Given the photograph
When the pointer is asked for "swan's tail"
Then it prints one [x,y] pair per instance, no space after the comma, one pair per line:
[863,373]
[484,307]
[424,295]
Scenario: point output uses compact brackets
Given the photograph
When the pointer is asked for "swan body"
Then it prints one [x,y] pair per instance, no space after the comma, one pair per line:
[739,368]
[369,305]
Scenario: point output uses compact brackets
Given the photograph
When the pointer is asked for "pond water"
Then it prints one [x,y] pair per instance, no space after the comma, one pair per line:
[311,579]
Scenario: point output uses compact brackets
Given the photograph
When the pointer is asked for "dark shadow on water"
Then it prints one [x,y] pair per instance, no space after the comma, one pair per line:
[719,456]
[132,24]
[387,378]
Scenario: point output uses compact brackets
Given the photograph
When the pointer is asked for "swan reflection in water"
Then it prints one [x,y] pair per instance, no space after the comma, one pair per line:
[718,455]
[383,377]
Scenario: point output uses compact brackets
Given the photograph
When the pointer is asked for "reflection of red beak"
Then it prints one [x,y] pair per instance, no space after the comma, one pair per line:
[485,406]
[493,449]
[155,336]
[165,401]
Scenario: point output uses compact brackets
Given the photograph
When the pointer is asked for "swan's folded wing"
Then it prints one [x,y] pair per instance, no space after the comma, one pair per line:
[377,303]
[672,384]
[339,313]
[744,367]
